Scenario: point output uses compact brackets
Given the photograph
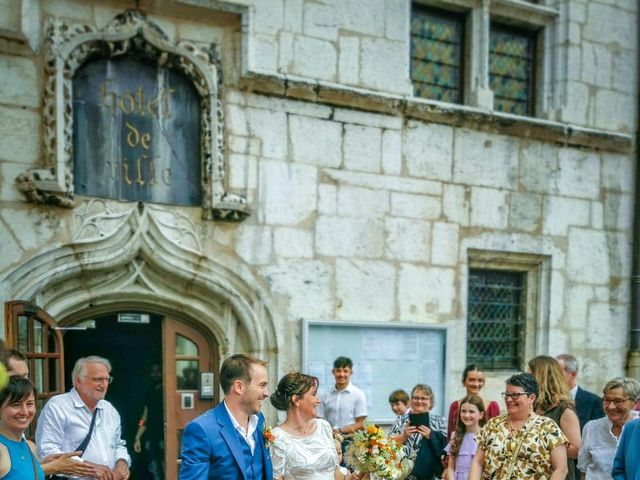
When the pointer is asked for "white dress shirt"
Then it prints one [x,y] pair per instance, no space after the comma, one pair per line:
[595,458]
[251,428]
[341,407]
[64,422]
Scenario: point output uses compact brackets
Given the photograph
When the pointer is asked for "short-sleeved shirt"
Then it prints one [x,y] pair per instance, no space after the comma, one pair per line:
[532,461]
[341,407]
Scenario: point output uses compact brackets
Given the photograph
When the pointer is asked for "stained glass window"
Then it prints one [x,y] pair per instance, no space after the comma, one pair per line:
[512,70]
[436,55]
[496,319]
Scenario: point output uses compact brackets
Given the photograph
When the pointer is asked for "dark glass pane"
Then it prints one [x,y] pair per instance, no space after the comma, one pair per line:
[38,373]
[436,55]
[187,374]
[23,333]
[495,322]
[51,341]
[53,374]
[511,70]
[38,336]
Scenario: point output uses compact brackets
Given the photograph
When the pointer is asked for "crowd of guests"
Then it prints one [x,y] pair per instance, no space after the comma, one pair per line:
[550,428]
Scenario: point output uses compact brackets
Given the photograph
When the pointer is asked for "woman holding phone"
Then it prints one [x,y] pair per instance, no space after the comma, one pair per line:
[422,433]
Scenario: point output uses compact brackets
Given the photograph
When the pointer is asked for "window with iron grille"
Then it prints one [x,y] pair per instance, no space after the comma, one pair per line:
[496,319]
[436,54]
[512,70]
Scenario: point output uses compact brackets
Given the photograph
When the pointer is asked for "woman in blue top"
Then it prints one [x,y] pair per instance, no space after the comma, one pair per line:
[17,409]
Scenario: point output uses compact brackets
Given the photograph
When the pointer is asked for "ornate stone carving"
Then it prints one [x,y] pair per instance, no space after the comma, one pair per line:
[69,46]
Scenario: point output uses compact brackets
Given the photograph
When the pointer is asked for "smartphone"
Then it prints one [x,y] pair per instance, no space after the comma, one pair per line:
[417,419]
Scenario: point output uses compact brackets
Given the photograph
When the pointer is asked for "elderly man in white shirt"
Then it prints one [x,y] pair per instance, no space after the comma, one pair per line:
[66,419]
[344,405]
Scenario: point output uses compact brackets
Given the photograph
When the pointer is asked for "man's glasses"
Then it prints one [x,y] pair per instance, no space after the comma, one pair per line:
[99,379]
[618,402]
[514,396]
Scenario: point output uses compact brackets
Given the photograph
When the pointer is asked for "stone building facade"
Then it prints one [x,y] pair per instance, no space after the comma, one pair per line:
[332,191]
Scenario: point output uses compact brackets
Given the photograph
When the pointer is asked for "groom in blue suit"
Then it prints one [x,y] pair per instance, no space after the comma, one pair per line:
[226,442]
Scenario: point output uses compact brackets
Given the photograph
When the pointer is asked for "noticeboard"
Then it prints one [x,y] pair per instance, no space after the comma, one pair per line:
[385,357]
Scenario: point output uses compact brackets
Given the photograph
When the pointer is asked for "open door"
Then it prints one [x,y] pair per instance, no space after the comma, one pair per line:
[32,331]
[191,384]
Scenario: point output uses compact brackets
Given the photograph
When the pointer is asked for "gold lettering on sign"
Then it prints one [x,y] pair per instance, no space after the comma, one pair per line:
[135,103]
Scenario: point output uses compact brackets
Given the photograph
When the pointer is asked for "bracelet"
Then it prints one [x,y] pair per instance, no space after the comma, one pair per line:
[141,423]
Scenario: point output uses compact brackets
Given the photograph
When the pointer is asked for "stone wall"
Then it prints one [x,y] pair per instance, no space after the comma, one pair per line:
[364,216]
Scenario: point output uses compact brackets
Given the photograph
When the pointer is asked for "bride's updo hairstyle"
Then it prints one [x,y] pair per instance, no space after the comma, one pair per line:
[289,386]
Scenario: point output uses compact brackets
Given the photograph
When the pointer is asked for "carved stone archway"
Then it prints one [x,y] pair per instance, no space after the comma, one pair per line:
[68,46]
[129,254]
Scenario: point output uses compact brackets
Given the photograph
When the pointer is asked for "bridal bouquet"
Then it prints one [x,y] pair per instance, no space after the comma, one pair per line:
[371,451]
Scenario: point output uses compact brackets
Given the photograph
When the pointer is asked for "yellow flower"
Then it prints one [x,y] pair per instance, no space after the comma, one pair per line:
[372,429]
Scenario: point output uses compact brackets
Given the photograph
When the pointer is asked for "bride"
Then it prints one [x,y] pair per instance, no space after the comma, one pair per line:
[303,448]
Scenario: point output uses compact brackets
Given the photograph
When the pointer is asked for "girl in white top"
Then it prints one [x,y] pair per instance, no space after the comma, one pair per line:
[303,448]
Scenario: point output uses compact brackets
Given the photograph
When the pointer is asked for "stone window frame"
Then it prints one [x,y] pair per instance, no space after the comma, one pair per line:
[537,270]
[67,47]
[517,14]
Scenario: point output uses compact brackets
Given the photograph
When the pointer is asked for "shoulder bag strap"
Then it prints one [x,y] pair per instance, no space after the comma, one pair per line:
[86,440]
[514,457]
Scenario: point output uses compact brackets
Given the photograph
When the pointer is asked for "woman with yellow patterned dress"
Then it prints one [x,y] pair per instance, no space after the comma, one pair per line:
[521,444]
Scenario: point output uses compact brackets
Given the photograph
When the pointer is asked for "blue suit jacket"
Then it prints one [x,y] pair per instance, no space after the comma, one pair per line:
[211,448]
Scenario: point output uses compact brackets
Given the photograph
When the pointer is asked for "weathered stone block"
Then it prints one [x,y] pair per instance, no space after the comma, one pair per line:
[243,172]
[538,167]
[423,207]
[268,16]
[365,290]
[288,192]
[264,57]
[624,75]
[349,60]
[362,16]
[306,284]
[391,152]
[444,247]
[285,52]
[614,111]
[597,215]
[408,239]
[425,292]
[320,20]
[604,324]
[588,257]
[19,82]
[578,104]
[293,10]
[367,119]
[579,173]
[390,75]
[618,212]
[489,208]
[11,251]
[596,64]
[69,9]
[14,145]
[599,26]
[428,150]
[396,22]
[362,202]
[526,211]
[293,243]
[237,121]
[485,159]
[314,58]
[560,213]
[620,251]
[31,228]
[315,141]
[253,244]
[327,199]
[455,204]
[349,237]
[271,129]
[617,172]
[385,182]
[362,148]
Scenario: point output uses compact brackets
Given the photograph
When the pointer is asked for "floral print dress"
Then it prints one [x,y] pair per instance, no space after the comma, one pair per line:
[532,461]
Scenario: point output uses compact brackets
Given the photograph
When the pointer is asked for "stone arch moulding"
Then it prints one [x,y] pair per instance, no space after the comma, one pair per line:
[147,256]
[67,47]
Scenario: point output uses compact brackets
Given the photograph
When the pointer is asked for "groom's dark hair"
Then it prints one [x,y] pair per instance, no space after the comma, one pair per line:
[237,367]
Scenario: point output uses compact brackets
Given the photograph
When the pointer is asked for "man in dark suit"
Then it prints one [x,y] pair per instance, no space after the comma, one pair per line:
[226,442]
[588,405]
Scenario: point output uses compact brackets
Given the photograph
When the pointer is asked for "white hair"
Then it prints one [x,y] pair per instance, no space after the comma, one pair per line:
[79,369]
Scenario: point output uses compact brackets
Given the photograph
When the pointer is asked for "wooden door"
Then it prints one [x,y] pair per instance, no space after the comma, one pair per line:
[187,354]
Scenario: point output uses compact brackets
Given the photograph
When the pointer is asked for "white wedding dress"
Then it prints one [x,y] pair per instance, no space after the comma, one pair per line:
[304,458]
